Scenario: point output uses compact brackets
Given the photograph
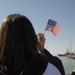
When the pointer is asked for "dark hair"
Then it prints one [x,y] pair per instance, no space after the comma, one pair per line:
[18,42]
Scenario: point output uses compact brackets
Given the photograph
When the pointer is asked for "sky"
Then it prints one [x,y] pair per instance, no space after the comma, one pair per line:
[38,12]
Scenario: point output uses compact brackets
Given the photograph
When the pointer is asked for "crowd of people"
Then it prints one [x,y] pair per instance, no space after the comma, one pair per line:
[22,52]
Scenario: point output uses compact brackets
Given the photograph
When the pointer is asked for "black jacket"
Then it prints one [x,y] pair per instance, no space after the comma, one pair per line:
[39,65]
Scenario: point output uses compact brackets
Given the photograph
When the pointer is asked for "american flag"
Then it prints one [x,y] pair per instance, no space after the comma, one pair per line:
[52,26]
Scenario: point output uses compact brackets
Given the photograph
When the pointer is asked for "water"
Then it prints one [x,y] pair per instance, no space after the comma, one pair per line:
[68,63]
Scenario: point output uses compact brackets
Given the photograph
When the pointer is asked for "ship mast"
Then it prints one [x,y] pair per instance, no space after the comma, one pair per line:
[70,45]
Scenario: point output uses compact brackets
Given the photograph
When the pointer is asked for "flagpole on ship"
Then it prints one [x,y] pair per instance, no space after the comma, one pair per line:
[70,45]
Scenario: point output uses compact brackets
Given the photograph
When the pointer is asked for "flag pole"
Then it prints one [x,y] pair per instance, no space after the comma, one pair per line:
[44,31]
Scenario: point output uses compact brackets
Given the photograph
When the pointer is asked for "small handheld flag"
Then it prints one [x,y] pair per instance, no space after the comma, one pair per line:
[52,26]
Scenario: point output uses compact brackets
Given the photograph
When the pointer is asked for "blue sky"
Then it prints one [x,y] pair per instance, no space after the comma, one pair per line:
[39,11]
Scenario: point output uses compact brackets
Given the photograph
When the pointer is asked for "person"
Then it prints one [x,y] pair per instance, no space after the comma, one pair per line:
[22,52]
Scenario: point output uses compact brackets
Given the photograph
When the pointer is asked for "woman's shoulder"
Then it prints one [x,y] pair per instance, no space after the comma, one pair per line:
[57,63]
[51,69]
[54,60]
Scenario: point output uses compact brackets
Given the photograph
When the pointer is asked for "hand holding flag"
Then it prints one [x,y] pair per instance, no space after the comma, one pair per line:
[52,26]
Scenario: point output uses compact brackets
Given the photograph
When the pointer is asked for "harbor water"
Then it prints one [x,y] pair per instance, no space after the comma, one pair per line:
[68,63]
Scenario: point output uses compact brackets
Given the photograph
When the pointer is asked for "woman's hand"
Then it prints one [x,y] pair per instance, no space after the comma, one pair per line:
[41,40]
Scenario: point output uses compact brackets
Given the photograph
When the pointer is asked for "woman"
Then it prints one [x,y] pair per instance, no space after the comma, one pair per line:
[22,53]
